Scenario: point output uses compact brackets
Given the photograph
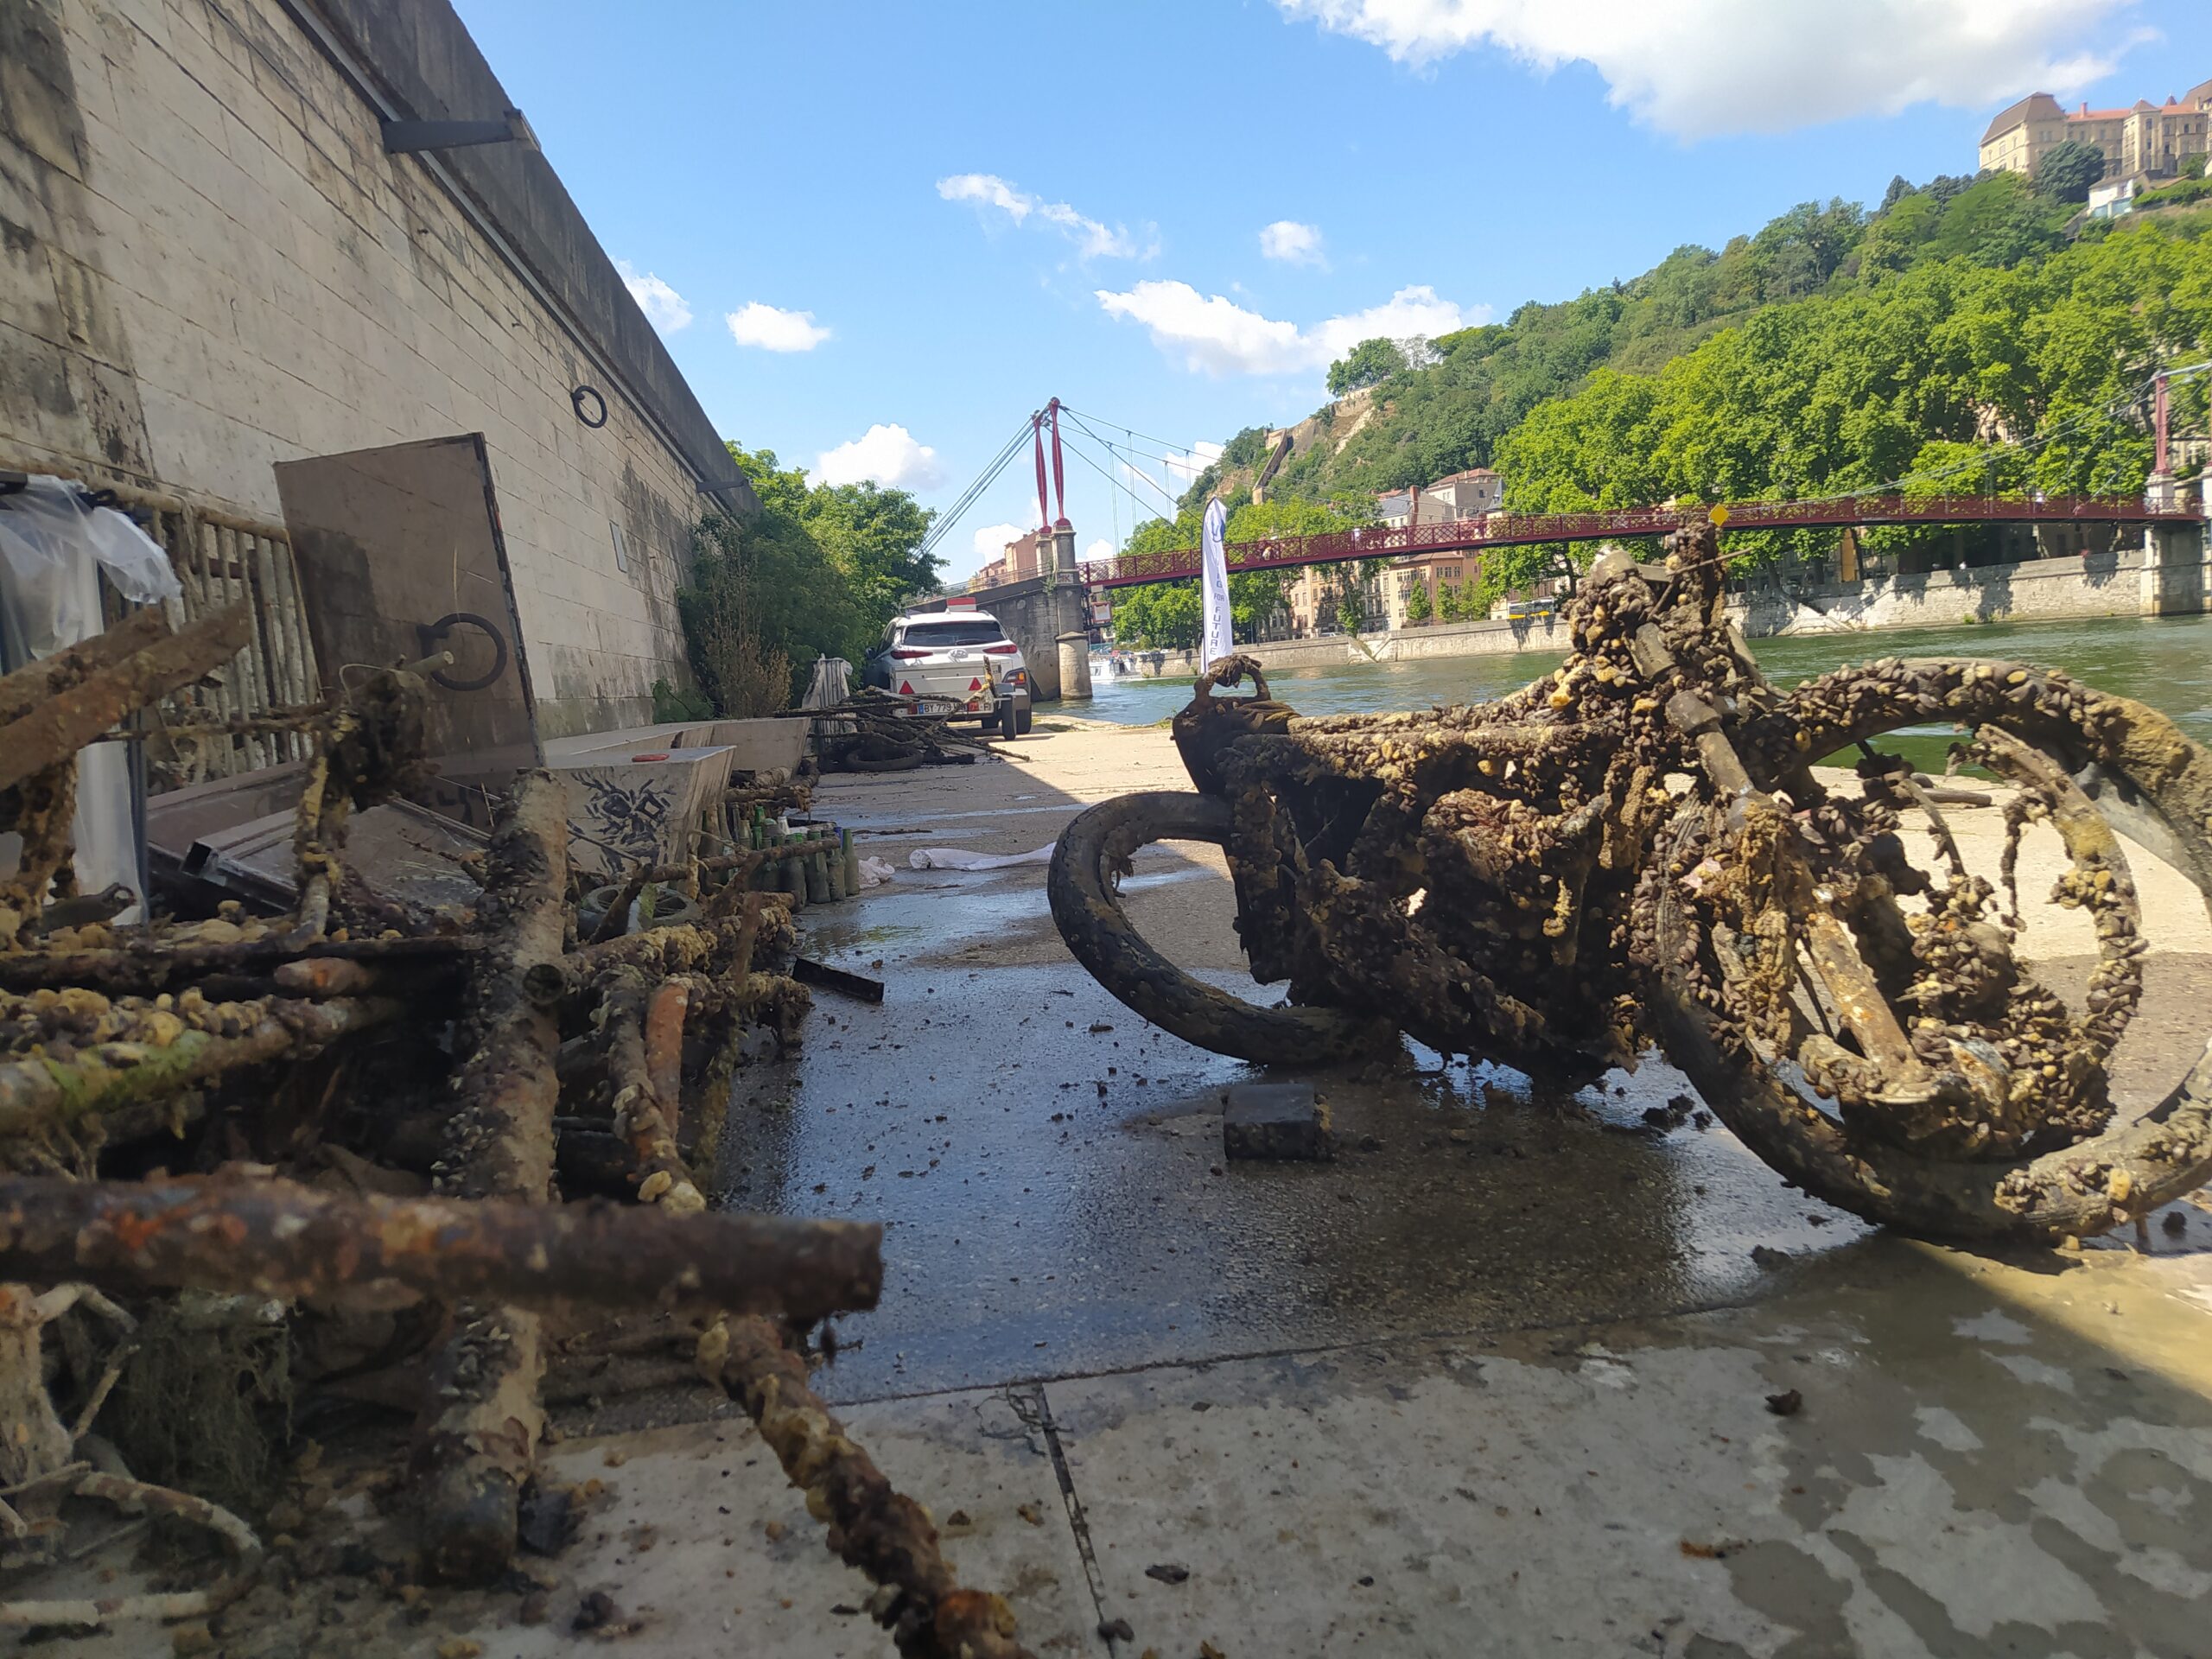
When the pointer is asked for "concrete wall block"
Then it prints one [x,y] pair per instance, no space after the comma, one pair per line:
[42,385]
[271,285]
[37,93]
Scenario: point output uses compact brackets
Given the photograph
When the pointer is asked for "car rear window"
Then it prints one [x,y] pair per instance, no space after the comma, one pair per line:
[966,630]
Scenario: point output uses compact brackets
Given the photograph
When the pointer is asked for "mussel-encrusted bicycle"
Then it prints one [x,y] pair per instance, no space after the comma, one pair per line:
[1635,853]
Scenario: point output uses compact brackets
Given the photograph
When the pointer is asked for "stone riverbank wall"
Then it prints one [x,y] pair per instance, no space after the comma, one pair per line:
[210,263]
[2167,574]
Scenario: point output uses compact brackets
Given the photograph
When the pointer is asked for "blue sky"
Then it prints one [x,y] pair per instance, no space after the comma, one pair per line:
[933,218]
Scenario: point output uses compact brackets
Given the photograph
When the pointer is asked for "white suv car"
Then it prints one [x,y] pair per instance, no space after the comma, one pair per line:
[963,655]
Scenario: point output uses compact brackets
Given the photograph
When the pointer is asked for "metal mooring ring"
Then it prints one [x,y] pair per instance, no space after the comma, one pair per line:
[576,400]
[445,625]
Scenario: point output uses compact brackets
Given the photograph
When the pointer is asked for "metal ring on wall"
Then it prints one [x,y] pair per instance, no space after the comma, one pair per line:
[576,400]
[445,677]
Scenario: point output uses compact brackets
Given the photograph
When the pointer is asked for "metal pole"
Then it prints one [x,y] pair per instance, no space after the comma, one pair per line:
[2158,424]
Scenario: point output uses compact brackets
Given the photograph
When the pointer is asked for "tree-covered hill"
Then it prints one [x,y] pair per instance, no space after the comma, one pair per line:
[1836,349]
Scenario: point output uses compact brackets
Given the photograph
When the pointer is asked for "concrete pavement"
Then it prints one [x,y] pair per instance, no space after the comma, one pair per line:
[1497,1381]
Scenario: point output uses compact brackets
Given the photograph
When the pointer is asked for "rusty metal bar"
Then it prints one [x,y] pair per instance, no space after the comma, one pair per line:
[149,970]
[146,498]
[238,589]
[481,1437]
[158,1056]
[56,730]
[276,624]
[873,1526]
[631,1008]
[281,1239]
[34,683]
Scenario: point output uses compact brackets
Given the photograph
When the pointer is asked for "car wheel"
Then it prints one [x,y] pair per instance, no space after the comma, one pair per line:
[1021,720]
[1010,718]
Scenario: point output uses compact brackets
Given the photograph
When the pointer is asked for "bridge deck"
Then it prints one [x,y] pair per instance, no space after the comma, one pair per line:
[1521,530]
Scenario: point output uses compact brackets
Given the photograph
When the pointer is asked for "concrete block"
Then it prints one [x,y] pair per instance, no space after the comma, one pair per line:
[1276,1121]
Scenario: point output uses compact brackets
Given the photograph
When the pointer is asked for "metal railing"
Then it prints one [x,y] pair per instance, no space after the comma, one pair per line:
[1521,530]
[221,559]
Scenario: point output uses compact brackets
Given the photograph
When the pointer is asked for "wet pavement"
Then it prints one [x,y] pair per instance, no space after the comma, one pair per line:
[1495,1379]
[1520,1371]
[1050,1171]
[1057,1201]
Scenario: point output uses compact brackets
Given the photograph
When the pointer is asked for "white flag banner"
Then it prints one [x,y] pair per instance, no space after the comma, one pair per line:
[1216,641]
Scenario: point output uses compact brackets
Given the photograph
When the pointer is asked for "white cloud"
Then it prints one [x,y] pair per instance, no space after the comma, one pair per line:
[1184,469]
[1292,243]
[1101,548]
[773,330]
[1217,336]
[1695,68]
[887,455]
[1093,239]
[663,307]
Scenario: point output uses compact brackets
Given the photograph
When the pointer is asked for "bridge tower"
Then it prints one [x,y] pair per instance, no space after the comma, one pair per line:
[1068,603]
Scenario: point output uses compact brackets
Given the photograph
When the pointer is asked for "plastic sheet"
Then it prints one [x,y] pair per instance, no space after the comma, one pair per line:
[54,545]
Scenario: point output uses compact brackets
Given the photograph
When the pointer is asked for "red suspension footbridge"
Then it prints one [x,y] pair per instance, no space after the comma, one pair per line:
[1523,530]
[1043,433]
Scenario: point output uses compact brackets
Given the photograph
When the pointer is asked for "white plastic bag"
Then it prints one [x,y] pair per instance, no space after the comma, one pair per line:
[53,547]
[874,872]
[959,858]
[46,529]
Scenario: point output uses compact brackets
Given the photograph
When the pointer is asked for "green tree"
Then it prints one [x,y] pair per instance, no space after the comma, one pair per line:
[1159,616]
[1455,414]
[1418,608]
[1366,364]
[1248,448]
[2000,222]
[1455,601]
[874,537]
[729,625]
[816,571]
[2068,169]
[1900,382]
[2192,167]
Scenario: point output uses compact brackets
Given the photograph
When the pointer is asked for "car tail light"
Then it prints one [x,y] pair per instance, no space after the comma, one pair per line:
[1004,648]
[1017,677]
[909,653]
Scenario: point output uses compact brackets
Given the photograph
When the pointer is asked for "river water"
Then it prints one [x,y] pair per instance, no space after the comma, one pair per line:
[2165,661]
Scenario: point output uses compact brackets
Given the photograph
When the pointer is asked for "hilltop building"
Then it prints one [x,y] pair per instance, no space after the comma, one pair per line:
[2146,138]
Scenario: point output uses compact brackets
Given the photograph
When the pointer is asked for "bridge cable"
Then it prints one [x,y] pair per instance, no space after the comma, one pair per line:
[1175,508]
[1188,452]
[1138,503]
[943,524]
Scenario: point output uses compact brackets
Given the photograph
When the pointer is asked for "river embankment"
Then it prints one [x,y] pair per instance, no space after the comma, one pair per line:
[2164,661]
[2169,574]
